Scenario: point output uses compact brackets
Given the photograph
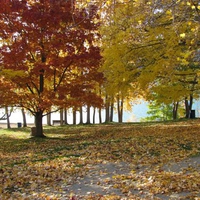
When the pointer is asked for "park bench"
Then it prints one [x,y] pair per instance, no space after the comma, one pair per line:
[56,122]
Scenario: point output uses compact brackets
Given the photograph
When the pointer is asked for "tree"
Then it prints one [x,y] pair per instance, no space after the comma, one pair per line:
[119,67]
[163,112]
[49,119]
[148,44]
[24,117]
[159,112]
[174,28]
[46,46]
[7,117]
[81,115]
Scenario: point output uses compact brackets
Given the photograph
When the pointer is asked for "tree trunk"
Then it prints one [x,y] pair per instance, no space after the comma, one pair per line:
[107,117]
[81,115]
[49,119]
[120,109]
[65,114]
[191,102]
[175,110]
[100,119]
[88,115]
[38,130]
[187,110]
[188,106]
[74,116]
[94,112]
[24,118]
[111,111]
[61,117]
[7,117]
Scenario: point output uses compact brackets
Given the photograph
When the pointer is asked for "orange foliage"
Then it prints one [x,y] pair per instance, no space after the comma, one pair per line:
[53,43]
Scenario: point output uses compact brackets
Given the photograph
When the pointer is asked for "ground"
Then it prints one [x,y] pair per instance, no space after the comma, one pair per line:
[115,161]
[101,180]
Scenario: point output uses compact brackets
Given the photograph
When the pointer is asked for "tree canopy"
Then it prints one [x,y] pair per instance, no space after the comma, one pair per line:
[157,44]
[68,53]
[49,54]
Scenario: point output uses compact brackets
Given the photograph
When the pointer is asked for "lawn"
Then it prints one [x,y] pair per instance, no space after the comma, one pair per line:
[34,168]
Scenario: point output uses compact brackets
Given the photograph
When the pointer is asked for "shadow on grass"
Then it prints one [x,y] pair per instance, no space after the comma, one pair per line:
[19,140]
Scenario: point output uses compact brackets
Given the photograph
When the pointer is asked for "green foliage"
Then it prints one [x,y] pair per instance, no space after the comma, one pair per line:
[159,112]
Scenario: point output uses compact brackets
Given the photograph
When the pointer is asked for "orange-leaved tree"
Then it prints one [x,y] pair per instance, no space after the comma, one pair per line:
[53,44]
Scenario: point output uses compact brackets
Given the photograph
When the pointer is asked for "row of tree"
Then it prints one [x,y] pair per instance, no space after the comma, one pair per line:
[57,55]
[82,115]
[152,48]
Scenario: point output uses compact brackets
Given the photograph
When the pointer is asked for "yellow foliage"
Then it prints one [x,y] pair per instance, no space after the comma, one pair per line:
[182,35]
[12,74]
[108,3]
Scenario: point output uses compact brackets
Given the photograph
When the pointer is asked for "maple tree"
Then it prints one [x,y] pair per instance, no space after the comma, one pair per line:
[49,55]
[121,79]
[106,11]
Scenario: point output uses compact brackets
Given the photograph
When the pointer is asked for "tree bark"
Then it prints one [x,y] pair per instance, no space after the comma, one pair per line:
[65,114]
[94,112]
[188,106]
[24,118]
[187,110]
[100,118]
[38,131]
[74,116]
[107,117]
[49,119]
[81,115]
[191,102]
[120,109]
[88,115]
[61,117]
[7,117]
[175,110]
[111,111]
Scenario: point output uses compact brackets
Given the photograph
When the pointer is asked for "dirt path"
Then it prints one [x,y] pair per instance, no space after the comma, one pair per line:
[99,181]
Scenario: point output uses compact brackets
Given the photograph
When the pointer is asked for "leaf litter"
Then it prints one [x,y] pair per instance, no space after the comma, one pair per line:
[105,162]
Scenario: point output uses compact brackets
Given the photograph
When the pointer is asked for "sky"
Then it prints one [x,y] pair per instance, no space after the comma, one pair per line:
[138,111]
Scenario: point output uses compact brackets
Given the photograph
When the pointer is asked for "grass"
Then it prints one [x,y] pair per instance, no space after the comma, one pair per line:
[68,150]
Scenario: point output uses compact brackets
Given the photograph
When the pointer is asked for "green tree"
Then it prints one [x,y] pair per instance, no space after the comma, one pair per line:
[159,112]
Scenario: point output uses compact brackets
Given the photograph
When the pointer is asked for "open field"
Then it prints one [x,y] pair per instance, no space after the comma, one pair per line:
[114,161]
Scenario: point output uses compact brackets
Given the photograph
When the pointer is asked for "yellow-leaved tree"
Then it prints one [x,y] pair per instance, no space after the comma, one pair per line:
[154,45]
[118,67]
